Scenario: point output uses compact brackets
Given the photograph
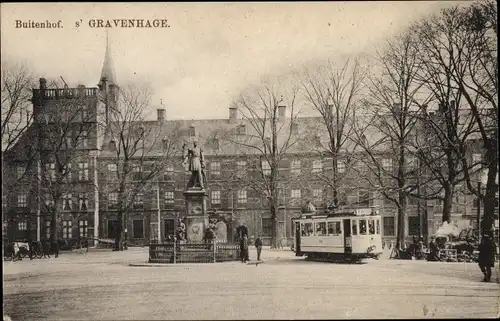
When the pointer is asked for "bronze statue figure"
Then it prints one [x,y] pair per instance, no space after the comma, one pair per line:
[195,163]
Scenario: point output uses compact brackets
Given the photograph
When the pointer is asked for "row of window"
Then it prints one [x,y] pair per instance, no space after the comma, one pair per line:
[67,201]
[67,228]
[50,172]
[358,227]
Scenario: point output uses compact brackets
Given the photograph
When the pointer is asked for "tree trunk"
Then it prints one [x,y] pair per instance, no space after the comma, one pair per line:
[274,225]
[400,236]
[491,186]
[447,203]
[118,233]
[55,234]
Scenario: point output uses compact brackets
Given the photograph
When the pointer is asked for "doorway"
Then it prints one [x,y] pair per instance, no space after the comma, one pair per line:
[347,236]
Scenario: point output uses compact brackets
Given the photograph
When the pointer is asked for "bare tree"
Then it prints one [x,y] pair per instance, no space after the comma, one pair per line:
[269,137]
[462,44]
[336,94]
[387,127]
[17,113]
[139,152]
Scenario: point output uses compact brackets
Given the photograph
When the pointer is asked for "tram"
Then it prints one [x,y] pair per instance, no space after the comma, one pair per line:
[349,234]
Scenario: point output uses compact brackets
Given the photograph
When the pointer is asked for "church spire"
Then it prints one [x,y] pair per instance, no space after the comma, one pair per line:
[108,71]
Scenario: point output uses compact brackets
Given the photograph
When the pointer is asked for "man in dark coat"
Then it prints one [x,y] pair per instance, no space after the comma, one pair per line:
[258,246]
[487,255]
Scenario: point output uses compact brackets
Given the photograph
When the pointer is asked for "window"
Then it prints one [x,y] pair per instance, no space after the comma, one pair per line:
[47,229]
[215,168]
[137,173]
[165,144]
[169,197]
[378,226]
[19,172]
[364,198]
[295,193]
[307,229]
[266,167]
[22,226]
[241,130]
[317,166]
[215,197]
[267,226]
[354,227]
[296,167]
[82,228]
[412,162]
[50,170]
[169,173]
[138,229]
[67,202]
[413,225]
[387,164]
[138,201]
[112,169]
[295,129]
[169,227]
[83,171]
[320,228]
[362,227]
[334,228]
[83,201]
[69,142]
[85,114]
[4,201]
[84,138]
[67,229]
[242,196]
[192,131]
[241,166]
[318,193]
[68,173]
[371,227]
[22,200]
[388,226]
[341,166]
[112,199]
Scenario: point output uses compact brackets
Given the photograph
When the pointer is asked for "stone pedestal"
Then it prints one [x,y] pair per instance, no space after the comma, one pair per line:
[196,214]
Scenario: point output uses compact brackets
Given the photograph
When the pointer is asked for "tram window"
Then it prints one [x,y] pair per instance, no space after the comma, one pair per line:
[362,227]
[354,227]
[334,228]
[320,228]
[371,227]
[308,229]
[378,226]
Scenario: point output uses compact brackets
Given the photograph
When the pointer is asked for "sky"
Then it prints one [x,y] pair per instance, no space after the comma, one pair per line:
[210,52]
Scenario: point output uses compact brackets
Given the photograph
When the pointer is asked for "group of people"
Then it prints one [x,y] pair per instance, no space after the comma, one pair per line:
[242,235]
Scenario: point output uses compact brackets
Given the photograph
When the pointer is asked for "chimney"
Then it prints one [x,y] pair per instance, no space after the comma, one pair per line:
[43,83]
[281,112]
[161,114]
[233,114]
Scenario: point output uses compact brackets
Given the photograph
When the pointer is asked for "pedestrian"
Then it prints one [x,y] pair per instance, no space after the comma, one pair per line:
[258,246]
[244,249]
[31,245]
[46,249]
[486,255]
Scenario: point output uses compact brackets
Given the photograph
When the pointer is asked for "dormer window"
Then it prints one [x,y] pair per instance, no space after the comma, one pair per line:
[295,129]
[192,131]
[242,130]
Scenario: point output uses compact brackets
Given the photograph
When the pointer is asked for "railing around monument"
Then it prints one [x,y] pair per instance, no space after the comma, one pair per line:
[177,252]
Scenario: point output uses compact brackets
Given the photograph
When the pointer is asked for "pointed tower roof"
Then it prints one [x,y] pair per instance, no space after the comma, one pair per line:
[108,71]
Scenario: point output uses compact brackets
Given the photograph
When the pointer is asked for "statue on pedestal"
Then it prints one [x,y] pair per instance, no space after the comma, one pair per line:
[195,163]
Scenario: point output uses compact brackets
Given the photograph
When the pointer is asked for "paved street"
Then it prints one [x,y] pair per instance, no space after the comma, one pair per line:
[102,285]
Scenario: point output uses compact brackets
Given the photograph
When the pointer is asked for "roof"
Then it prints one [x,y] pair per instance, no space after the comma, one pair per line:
[108,71]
